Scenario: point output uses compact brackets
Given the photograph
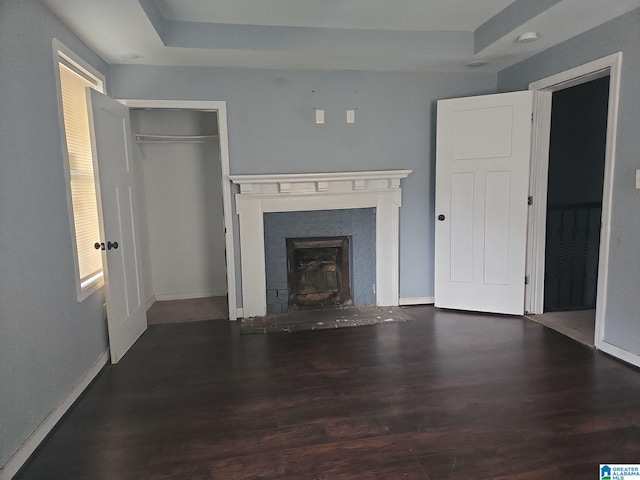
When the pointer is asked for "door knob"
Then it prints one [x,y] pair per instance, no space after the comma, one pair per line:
[111,245]
[98,246]
[441,217]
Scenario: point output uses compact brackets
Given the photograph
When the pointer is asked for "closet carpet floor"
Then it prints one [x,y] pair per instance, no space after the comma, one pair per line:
[189,310]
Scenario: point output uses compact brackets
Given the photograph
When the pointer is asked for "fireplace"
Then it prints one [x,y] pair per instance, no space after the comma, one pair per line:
[357,225]
[318,272]
[308,192]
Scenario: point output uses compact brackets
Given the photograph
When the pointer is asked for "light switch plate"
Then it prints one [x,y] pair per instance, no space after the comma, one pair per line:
[638,179]
[319,116]
[351,116]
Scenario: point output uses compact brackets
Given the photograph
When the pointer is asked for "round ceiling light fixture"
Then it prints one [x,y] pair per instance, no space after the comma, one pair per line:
[527,37]
[476,63]
[131,56]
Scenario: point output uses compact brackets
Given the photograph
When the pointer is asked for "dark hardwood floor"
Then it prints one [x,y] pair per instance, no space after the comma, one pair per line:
[447,396]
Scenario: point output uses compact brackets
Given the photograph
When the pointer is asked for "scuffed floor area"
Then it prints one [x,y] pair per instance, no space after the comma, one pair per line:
[322,319]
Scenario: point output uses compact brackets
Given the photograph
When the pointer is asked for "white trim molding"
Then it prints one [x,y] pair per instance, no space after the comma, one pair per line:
[620,353]
[261,194]
[150,302]
[536,223]
[416,301]
[20,457]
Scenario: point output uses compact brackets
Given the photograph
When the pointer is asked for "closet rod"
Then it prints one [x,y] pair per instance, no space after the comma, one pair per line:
[150,138]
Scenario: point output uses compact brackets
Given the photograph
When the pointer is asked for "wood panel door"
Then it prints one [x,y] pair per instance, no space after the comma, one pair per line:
[482,183]
[113,166]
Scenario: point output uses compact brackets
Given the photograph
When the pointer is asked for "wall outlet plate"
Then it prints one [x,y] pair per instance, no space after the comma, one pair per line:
[351,116]
[319,116]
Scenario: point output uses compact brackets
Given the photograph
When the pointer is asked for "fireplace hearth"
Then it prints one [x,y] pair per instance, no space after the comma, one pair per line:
[318,272]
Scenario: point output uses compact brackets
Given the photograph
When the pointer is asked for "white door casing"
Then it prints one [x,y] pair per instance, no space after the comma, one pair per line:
[113,169]
[610,65]
[482,182]
[220,108]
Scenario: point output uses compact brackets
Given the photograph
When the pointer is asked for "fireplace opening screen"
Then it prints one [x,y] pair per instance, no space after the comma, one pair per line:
[318,271]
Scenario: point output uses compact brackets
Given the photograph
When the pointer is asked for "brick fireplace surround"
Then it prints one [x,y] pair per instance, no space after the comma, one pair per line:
[261,194]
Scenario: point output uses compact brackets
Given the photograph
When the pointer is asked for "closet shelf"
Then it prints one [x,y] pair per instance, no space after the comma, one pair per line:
[142,138]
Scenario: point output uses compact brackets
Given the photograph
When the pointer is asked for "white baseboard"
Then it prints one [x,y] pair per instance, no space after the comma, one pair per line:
[239,313]
[19,458]
[619,353]
[151,300]
[416,301]
[185,296]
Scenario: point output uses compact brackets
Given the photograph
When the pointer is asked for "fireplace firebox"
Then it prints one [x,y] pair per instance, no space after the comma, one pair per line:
[318,271]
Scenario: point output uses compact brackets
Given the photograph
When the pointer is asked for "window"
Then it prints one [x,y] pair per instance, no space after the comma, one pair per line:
[74,77]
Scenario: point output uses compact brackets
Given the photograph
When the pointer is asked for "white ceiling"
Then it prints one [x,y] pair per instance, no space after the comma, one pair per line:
[376,35]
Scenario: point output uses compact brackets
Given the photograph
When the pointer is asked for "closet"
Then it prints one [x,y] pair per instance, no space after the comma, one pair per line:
[178,184]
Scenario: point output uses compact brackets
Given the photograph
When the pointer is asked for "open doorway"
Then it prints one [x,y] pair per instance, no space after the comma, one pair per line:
[179,189]
[571,184]
[577,147]
[220,109]
[574,195]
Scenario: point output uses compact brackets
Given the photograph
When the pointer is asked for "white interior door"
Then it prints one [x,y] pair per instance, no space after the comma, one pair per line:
[482,184]
[113,166]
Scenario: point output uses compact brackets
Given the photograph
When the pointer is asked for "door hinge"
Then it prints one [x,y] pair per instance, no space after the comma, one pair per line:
[526,279]
[530,200]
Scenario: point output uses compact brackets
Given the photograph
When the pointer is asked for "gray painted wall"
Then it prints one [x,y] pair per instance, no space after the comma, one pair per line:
[47,339]
[272,130]
[621,34]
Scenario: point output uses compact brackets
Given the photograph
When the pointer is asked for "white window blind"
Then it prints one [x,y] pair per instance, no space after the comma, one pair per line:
[73,82]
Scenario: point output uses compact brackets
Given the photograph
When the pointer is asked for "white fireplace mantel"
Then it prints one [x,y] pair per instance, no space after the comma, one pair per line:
[261,194]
